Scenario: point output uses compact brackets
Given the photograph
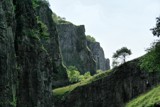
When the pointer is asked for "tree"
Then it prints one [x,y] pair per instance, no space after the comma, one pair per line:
[122,53]
[150,61]
[73,74]
[156,30]
[115,63]
[87,75]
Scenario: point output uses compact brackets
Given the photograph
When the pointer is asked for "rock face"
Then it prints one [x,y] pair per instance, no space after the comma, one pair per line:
[124,83]
[52,46]
[107,64]
[98,53]
[8,76]
[27,67]
[74,48]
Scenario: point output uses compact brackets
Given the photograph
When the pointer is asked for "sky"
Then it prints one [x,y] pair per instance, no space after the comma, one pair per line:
[113,23]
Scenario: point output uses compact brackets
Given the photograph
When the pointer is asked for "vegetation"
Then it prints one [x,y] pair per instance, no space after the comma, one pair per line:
[90,38]
[115,63]
[121,53]
[37,3]
[59,20]
[43,29]
[149,99]
[33,33]
[156,30]
[99,71]
[61,93]
[74,75]
[150,61]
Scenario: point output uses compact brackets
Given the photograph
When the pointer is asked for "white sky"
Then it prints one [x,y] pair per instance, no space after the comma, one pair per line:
[114,23]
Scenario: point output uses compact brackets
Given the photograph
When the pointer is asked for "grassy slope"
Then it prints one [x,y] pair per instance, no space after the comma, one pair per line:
[146,100]
[60,93]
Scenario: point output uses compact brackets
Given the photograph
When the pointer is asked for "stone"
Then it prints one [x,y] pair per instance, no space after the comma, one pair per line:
[120,86]
[74,48]
[28,70]
[101,62]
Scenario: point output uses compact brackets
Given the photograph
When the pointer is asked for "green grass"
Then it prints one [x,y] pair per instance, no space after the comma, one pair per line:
[146,100]
[61,93]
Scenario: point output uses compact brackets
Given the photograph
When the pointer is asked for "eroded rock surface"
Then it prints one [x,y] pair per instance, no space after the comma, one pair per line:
[74,48]
[101,62]
[123,84]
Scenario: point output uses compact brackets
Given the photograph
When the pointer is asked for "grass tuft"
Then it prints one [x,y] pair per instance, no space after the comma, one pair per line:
[60,93]
[146,100]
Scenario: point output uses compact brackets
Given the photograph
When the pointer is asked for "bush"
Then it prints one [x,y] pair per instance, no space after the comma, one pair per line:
[37,3]
[87,75]
[90,38]
[59,20]
[150,61]
[43,29]
[73,74]
[99,71]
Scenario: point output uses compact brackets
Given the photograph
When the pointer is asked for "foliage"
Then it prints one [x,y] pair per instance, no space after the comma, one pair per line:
[87,75]
[37,3]
[60,93]
[115,63]
[148,99]
[150,61]
[90,38]
[59,20]
[156,30]
[42,29]
[73,74]
[99,71]
[33,33]
[121,53]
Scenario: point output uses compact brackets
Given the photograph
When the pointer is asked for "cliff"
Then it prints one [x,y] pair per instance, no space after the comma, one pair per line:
[148,99]
[30,60]
[74,48]
[101,62]
[51,44]
[121,85]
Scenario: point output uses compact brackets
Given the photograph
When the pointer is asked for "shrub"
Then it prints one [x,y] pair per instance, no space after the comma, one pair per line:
[90,38]
[150,61]
[59,20]
[99,71]
[42,29]
[87,75]
[73,74]
[37,3]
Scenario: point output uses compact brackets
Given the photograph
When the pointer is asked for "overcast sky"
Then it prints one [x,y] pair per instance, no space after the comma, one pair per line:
[114,23]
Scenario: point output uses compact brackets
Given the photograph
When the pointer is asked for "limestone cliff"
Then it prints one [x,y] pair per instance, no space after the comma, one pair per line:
[52,45]
[74,48]
[8,76]
[30,60]
[123,83]
[101,62]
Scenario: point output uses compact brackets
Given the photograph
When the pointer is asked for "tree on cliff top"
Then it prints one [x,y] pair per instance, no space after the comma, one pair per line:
[90,38]
[156,30]
[122,53]
[150,61]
